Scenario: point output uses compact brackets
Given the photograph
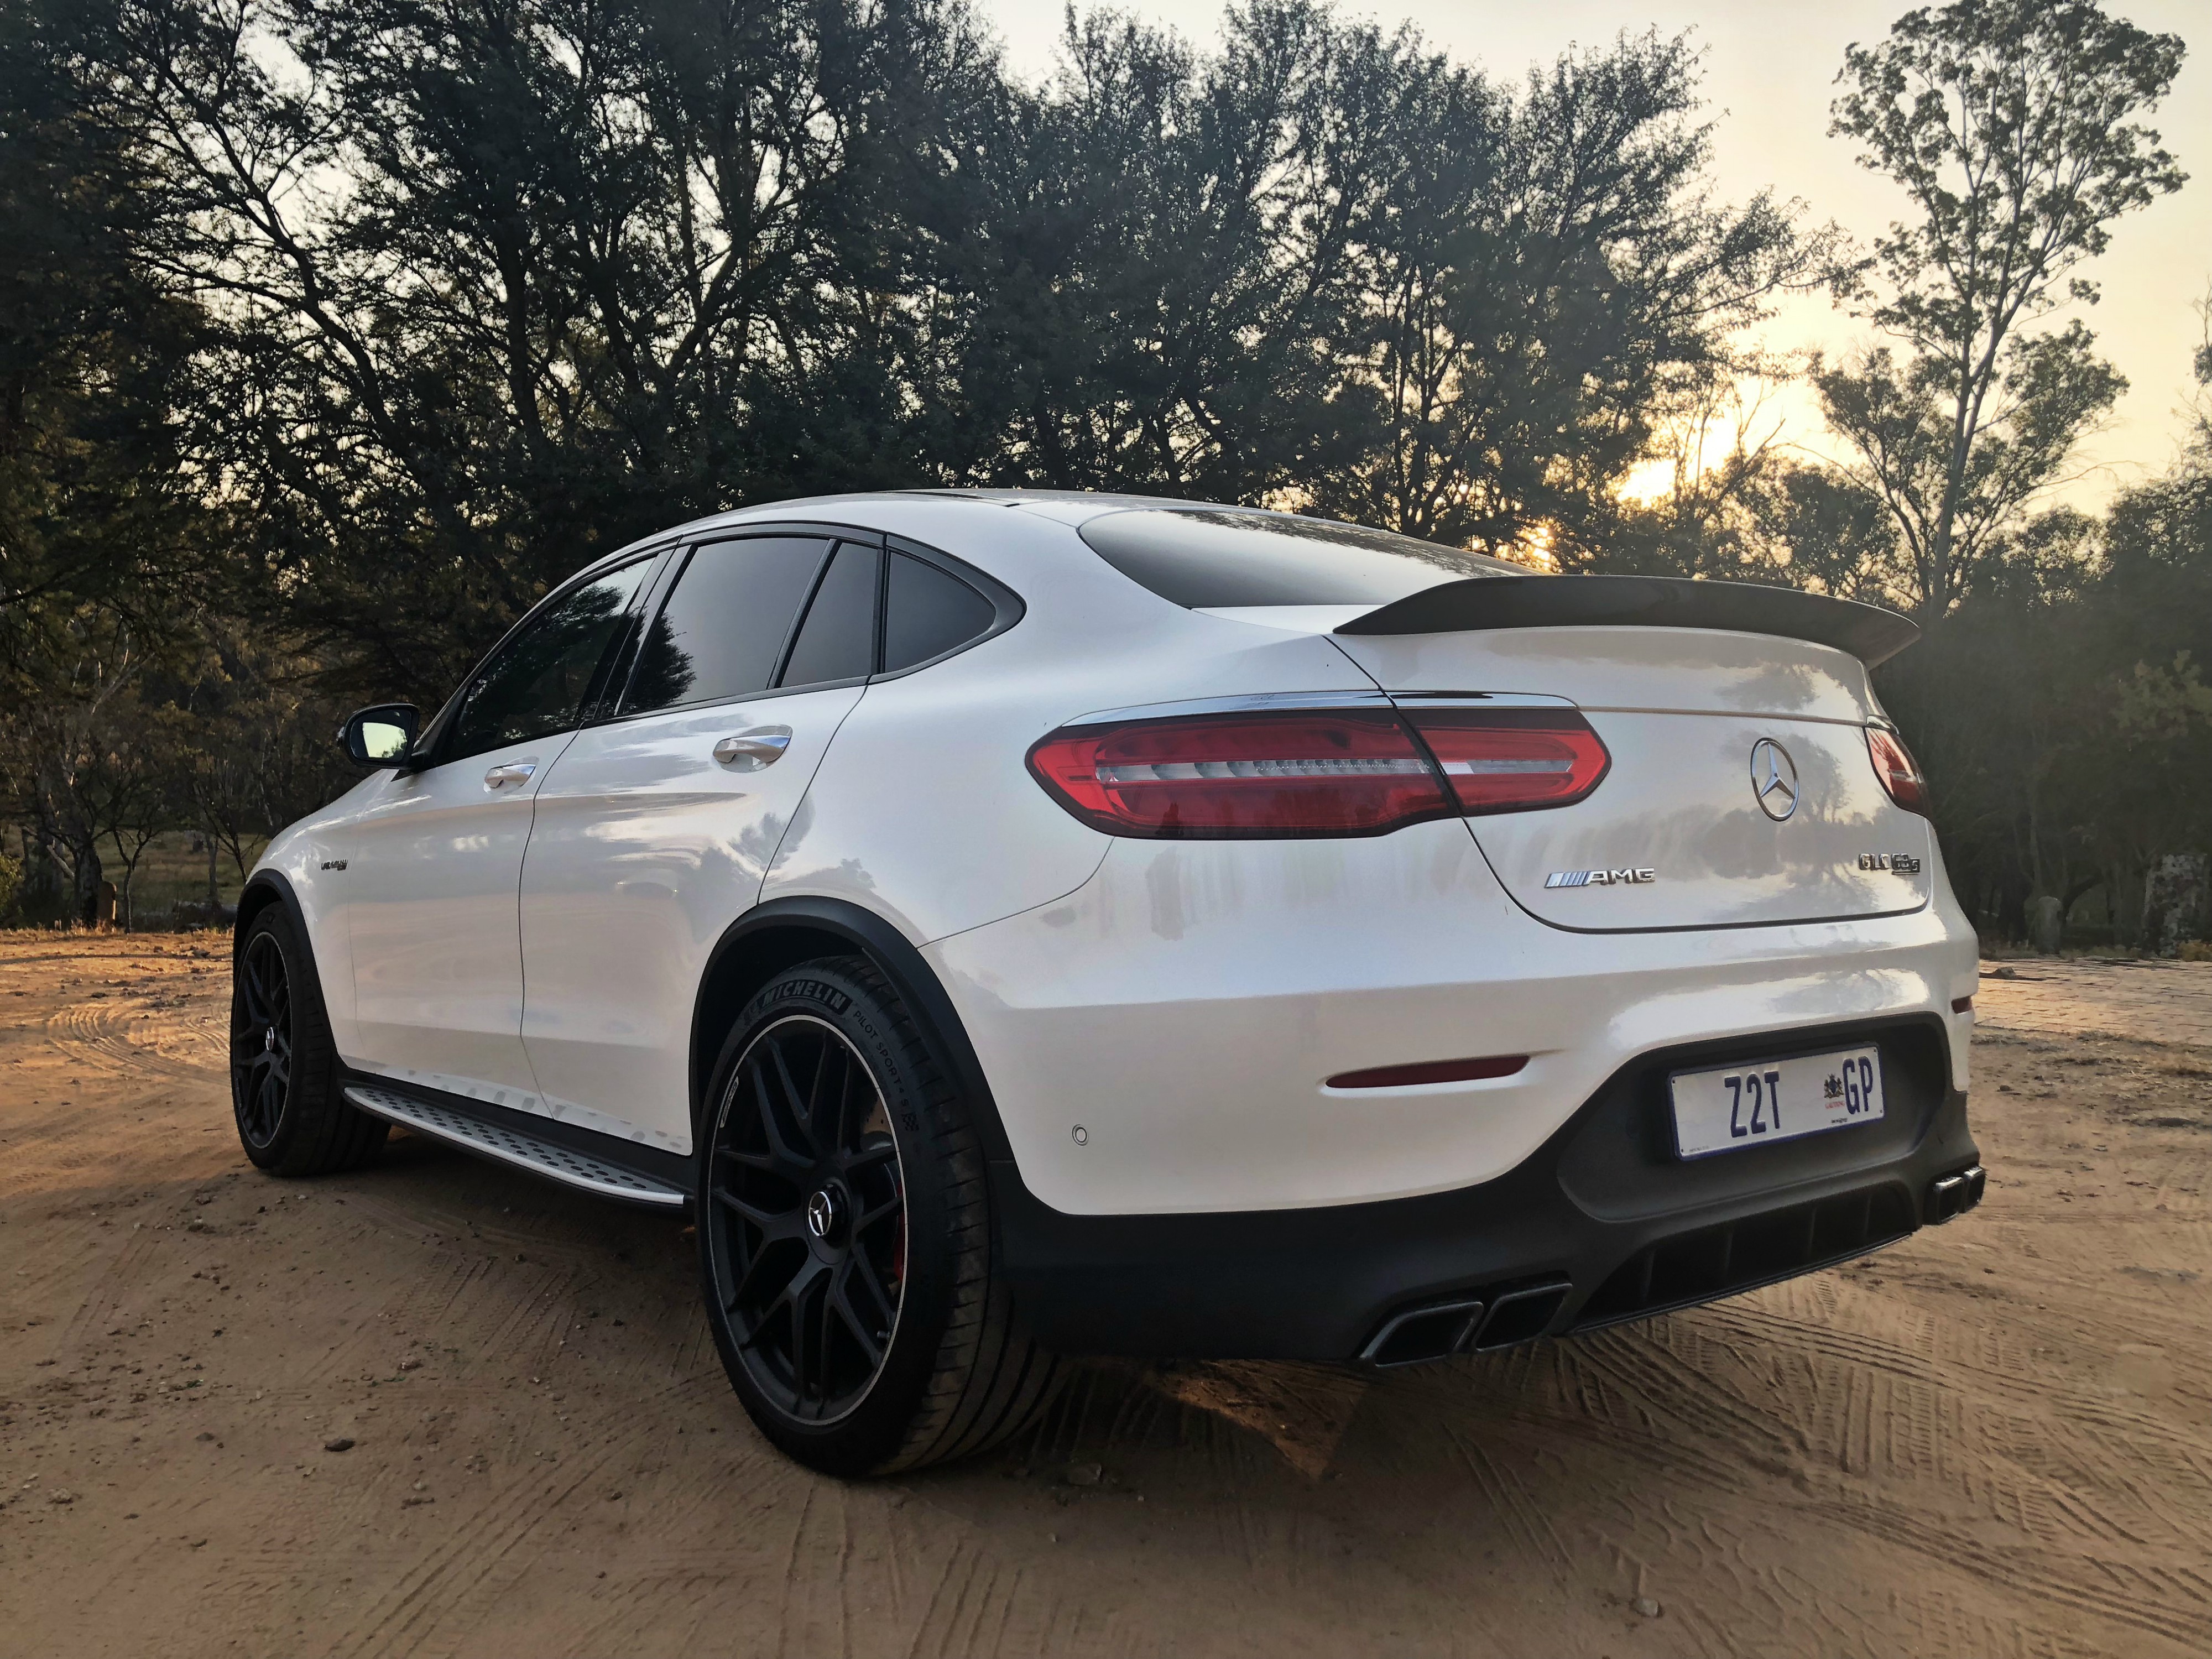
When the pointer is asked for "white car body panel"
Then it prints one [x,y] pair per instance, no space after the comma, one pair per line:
[1679,711]
[646,848]
[1627,668]
[941,753]
[1185,1007]
[1184,1002]
[434,863]
[303,853]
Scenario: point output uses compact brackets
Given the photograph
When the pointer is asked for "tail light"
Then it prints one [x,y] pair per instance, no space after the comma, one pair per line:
[1898,771]
[1509,760]
[1315,772]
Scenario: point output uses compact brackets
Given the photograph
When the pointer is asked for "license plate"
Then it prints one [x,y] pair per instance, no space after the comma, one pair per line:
[1732,1107]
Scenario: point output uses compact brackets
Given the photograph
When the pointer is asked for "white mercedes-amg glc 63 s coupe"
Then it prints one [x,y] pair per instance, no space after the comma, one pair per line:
[1023,925]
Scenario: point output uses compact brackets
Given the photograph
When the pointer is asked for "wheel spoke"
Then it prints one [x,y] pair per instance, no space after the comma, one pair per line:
[774,1225]
[251,990]
[786,1160]
[806,1374]
[746,1287]
[859,1267]
[866,1158]
[791,1095]
[856,1327]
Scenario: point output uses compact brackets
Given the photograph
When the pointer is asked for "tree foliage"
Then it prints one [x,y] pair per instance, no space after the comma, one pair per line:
[334,330]
[2011,125]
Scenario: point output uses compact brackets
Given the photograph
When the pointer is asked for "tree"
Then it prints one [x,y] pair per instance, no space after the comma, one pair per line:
[499,287]
[1544,273]
[2011,125]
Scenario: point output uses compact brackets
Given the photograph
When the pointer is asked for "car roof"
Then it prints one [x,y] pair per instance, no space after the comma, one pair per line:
[881,510]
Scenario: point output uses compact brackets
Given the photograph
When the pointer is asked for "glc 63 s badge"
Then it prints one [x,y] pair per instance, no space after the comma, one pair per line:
[1903,863]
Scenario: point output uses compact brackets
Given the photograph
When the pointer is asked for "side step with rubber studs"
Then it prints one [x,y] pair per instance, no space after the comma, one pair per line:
[505,1144]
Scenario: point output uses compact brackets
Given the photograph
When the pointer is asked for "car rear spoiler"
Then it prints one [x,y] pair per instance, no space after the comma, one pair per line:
[1867,631]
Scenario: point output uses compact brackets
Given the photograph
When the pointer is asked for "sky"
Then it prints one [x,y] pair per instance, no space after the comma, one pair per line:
[1770,67]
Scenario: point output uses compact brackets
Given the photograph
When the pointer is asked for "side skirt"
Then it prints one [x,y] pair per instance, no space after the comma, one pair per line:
[579,1158]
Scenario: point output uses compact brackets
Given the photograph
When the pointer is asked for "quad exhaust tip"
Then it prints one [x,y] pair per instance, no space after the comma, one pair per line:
[1441,1329]
[1955,1193]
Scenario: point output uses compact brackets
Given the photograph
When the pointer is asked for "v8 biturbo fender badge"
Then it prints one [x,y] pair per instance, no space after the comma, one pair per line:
[1599,878]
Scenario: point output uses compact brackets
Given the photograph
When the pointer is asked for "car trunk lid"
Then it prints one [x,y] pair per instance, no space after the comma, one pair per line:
[1739,792]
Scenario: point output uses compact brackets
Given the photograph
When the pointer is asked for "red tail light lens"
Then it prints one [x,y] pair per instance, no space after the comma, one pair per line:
[1898,771]
[1509,760]
[1315,772]
[1308,773]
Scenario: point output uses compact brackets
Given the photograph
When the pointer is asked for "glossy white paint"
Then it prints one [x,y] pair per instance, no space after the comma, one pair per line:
[1649,669]
[434,861]
[1677,801]
[1184,1002]
[925,811]
[646,848]
[1681,711]
[303,853]
[1186,1006]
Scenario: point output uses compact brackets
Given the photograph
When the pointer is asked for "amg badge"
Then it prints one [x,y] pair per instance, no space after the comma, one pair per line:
[1598,878]
[1903,863]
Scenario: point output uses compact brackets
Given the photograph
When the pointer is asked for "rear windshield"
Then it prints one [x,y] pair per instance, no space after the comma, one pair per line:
[1212,559]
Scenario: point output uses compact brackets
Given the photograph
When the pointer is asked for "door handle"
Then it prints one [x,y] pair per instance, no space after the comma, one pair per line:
[511,772]
[748,751]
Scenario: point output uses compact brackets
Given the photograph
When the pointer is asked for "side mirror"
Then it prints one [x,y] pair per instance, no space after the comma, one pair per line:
[382,736]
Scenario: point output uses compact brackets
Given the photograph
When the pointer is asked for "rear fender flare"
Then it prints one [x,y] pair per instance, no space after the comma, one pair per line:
[784,932]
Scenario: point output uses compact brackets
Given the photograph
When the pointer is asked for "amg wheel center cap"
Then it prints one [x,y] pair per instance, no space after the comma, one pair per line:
[823,1214]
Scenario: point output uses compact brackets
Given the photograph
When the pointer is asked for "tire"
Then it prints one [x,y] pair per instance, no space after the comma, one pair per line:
[846,1257]
[285,1093]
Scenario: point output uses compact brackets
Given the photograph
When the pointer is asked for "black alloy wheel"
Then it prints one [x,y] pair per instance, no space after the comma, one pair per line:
[261,1040]
[806,1232]
[287,1084]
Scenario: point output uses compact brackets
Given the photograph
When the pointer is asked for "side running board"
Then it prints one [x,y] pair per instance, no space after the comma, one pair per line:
[524,1151]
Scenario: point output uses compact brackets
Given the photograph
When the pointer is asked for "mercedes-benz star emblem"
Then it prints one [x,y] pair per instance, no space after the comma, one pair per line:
[821,1213]
[1773,779]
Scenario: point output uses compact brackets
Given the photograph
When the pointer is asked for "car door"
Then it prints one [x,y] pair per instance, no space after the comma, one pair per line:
[655,828]
[435,859]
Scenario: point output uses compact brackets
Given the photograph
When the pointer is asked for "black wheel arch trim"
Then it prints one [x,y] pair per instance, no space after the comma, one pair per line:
[264,888]
[900,961]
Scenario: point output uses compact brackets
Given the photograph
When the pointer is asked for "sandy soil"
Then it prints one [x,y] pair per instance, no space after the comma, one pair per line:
[1994,1440]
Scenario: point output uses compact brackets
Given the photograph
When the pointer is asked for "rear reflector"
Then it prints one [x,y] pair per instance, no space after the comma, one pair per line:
[1898,771]
[1429,1071]
[1315,772]
[1962,1005]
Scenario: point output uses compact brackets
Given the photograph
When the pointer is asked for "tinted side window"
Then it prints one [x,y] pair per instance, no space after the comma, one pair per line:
[927,613]
[837,641]
[722,630]
[536,683]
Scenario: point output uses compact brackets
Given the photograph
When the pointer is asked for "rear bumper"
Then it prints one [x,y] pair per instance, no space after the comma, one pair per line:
[1162,1041]
[1603,1223]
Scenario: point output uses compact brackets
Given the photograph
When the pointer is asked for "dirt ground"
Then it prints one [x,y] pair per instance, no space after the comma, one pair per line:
[1993,1440]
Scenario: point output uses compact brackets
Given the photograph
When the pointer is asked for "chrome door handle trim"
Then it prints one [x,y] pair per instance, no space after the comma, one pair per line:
[510,772]
[748,751]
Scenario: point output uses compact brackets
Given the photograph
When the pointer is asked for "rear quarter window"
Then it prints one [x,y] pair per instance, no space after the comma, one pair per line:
[928,613]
